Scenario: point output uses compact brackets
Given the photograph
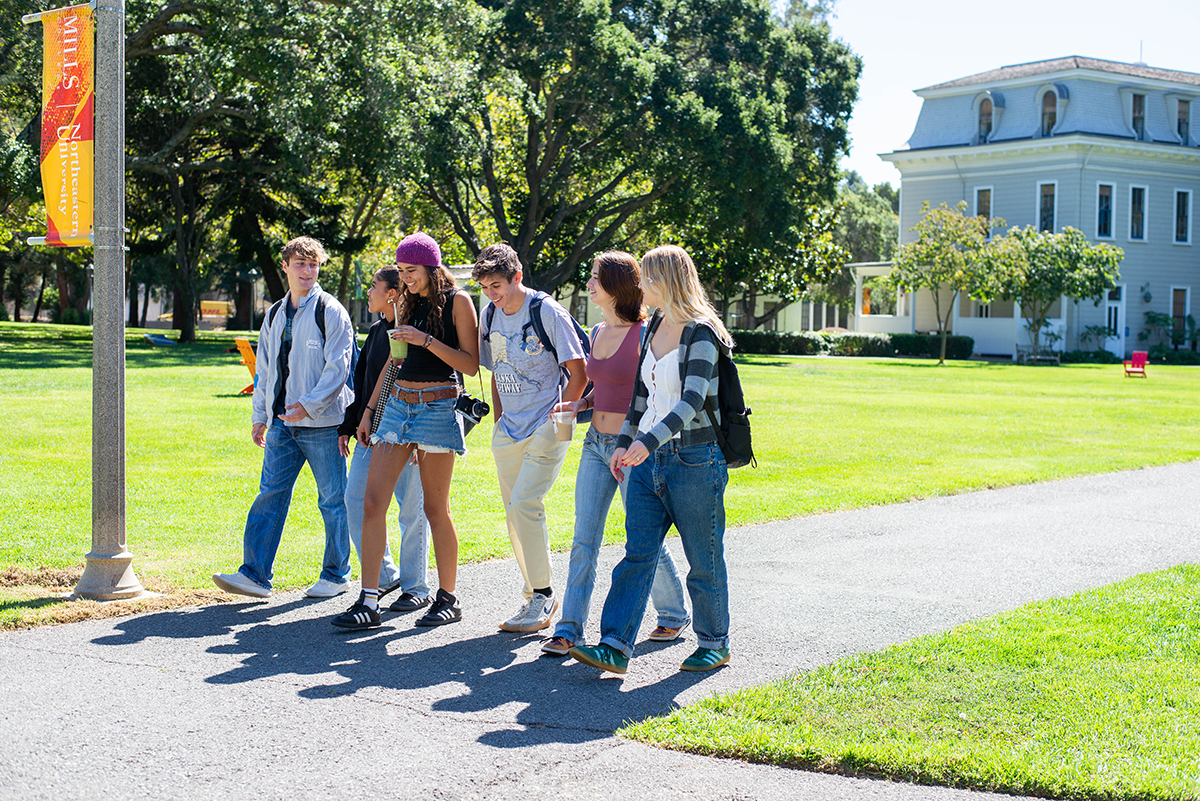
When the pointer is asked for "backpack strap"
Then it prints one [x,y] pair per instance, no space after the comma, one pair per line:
[539,328]
[320,312]
[274,310]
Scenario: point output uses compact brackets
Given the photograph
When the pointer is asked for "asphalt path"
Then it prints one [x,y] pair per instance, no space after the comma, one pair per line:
[267,700]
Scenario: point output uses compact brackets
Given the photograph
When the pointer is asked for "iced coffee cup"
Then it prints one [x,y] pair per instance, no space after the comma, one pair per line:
[564,425]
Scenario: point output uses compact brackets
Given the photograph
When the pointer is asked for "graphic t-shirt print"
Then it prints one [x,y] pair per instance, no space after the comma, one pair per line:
[516,358]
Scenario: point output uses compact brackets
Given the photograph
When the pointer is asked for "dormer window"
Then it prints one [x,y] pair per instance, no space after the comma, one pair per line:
[1139,116]
[1182,124]
[1049,112]
[985,120]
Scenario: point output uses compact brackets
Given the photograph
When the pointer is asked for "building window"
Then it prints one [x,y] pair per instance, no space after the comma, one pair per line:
[1139,116]
[1104,210]
[1137,212]
[1182,125]
[1179,304]
[1046,208]
[1183,202]
[983,205]
[985,120]
[1049,112]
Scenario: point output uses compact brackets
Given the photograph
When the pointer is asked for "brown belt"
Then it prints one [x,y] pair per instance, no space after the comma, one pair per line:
[423,395]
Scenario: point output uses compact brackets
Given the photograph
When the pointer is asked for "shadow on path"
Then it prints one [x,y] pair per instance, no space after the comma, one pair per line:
[556,700]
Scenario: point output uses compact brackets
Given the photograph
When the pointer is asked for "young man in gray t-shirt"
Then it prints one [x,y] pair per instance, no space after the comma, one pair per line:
[526,384]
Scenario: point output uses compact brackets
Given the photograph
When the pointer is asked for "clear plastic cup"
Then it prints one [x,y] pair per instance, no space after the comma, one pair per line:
[564,426]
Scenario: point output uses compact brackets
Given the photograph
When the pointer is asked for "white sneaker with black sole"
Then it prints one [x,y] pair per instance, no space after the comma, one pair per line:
[324,588]
[536,614]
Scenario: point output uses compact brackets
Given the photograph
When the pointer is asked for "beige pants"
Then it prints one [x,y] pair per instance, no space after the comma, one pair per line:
[527,468]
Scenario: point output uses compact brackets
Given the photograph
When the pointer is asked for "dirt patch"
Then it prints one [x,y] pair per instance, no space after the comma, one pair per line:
[49,577]
[32,598]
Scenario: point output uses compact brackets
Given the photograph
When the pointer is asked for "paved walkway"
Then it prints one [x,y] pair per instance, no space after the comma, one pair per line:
[267,700]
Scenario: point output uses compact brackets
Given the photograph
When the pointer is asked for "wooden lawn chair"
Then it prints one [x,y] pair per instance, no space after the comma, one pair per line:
[1136,365]
[247,350]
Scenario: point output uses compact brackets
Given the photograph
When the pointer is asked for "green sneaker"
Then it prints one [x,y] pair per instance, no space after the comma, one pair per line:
[706,659]
[601,656]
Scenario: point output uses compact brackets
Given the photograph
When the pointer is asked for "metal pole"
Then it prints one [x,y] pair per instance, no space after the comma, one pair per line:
[108,574]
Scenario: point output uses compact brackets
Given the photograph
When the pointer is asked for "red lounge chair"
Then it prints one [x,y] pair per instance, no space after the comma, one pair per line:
[1136,365]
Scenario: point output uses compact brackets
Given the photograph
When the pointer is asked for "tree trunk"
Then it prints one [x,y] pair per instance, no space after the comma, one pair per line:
[37,309]
[133,304]
[244,318]
[64,288]
[750,301]
[363,215]
[145,305]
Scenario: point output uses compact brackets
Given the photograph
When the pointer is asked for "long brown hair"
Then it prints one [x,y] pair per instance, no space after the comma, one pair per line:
[619,274]
[441,284]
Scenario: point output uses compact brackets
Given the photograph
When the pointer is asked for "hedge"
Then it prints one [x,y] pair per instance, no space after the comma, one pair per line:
[810,343]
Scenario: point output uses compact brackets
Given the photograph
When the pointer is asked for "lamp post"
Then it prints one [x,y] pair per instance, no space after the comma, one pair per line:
[108,574]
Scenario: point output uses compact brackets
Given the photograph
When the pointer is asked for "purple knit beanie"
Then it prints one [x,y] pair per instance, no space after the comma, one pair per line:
[419,248]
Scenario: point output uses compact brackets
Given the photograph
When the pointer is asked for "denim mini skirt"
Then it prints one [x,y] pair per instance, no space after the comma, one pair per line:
[434,424]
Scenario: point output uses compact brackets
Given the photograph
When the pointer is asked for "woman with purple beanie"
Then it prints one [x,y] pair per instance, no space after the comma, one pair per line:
[437,322]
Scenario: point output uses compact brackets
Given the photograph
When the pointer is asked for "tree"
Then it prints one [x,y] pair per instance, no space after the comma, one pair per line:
[586,123]
[1038,268]
[946,254]
[867,227]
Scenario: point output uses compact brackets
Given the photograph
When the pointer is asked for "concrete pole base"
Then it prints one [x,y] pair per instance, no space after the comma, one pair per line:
[109,577]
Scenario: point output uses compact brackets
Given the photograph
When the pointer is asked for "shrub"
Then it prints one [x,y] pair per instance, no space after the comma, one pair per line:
[930,345]
[1089,357]
[861,345]
[3,313]
[799,343]
[1167,355]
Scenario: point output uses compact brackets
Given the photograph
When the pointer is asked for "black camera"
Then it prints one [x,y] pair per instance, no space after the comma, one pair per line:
[472,411]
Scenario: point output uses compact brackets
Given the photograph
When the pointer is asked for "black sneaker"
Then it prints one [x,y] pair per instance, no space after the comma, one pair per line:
[445,609]
[410,603]
[357,616]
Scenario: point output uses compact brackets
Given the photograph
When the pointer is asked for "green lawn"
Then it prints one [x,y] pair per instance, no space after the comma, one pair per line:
[1095,696]
[829,434]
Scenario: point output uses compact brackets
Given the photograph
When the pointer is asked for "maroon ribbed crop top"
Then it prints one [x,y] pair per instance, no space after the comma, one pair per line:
[613,377]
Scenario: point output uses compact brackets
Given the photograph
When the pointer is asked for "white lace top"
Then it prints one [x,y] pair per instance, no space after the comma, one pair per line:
[661,378]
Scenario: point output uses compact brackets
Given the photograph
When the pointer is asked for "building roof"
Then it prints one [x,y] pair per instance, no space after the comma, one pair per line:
[1069,63]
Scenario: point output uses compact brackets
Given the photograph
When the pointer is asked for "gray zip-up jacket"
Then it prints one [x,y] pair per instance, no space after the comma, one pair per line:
[316,371]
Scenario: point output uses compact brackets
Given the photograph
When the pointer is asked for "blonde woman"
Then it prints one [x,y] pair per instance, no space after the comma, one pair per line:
[676,472]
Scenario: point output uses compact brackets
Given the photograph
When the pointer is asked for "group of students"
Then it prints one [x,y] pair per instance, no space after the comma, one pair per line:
[650,436]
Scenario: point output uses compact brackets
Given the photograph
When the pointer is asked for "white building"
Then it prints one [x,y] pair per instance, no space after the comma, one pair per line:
[1109,148]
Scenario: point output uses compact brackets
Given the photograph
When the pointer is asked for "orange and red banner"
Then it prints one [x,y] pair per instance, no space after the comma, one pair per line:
[68,79]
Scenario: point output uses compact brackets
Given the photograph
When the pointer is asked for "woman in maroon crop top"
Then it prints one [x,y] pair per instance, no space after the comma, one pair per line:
[614,287]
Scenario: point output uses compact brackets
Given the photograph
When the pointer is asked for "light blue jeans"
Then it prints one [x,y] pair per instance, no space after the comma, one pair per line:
[684,487]
[594,490]
[414,528]
[287,449]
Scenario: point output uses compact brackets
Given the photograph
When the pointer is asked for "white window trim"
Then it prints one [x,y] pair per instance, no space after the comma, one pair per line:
[1173,100]
[1191,213]
[1126,93]
[991,204]
[1037,205]
[997,112]
[1145,214]
[1062,97]
[1112,220]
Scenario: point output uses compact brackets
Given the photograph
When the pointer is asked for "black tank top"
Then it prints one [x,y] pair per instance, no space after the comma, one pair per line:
[421,365]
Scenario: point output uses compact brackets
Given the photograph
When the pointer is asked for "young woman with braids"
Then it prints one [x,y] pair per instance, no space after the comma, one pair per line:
[439,324]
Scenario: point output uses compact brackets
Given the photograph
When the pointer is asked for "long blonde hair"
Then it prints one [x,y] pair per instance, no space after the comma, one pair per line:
[670,270]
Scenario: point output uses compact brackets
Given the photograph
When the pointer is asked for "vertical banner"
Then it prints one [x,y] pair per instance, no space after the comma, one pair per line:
[68,75]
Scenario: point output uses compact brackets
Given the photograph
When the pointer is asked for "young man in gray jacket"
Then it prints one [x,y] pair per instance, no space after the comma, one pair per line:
[300,398]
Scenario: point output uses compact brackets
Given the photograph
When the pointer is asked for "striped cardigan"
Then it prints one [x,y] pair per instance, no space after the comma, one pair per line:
[697,377]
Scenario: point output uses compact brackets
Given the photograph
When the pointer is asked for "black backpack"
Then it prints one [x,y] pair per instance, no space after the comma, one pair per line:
[733,433]
[320,312]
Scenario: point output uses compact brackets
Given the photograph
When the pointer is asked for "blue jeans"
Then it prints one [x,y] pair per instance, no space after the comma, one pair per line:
[287,449]
[594,490]
[684,487]
[414,528]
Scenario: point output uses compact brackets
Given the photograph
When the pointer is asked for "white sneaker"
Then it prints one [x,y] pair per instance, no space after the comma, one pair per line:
[536,614]
[327,589]
[240,585]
